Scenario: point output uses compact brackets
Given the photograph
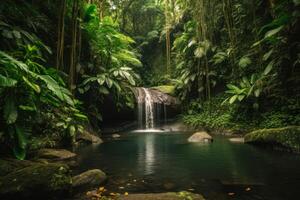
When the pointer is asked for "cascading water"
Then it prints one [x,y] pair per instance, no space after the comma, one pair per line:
[149,110]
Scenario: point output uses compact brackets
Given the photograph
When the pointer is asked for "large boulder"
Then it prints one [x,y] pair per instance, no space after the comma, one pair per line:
[9,165]
[287,138]
[203,137]
[162,196]
[37,181]
[55,154]
[89,179]
[86,137]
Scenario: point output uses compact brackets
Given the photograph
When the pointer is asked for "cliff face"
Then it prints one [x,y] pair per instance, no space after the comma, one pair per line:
[156,96]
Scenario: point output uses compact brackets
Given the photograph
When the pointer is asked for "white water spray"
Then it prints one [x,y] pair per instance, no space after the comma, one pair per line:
[149,109]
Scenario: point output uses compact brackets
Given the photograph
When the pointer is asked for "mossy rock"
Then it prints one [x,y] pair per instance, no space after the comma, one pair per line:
[287,138]
[55,154]
[89,179]
[10,165]
[166,89]
[36,181]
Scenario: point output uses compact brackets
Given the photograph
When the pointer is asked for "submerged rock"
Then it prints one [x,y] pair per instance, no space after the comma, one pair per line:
[200,137]
[287,138]
[88,138]
[237,140]
[36,181]
[89,179]
[162,196]
[169,186]
[116,136]
[55,154]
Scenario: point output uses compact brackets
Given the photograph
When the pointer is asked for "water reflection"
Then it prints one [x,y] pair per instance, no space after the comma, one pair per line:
[146,154]
[166,162]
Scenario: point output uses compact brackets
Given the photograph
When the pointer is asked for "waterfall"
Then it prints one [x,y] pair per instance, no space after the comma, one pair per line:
[152,107]
[149,110]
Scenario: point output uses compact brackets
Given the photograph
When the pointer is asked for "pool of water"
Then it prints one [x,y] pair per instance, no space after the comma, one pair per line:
[164,161]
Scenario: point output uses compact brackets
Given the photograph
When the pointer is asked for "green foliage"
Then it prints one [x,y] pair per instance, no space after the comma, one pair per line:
[113,69]
[287,137]
[167,89]
[211,115]
[26,88]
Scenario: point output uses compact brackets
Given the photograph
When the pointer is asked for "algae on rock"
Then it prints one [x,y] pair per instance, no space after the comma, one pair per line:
[287,137]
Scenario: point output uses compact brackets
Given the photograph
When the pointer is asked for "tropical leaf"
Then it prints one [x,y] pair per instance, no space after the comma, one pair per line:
[34,86]
[233,99]
[10,110]
[269,68]
[244,62]
[7,82]
[21,143]
[273,32]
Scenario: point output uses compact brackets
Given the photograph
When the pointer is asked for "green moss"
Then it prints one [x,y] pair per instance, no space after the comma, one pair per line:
[59,179]
[167,89]
[35,180]
[287,137]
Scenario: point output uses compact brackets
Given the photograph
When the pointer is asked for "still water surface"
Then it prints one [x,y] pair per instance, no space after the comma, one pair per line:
[159,162]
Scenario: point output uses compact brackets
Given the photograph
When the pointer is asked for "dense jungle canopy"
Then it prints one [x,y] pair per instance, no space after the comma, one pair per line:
[67,66]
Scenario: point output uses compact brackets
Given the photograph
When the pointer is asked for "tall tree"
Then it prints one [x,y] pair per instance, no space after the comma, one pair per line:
[61,35]
[74,43]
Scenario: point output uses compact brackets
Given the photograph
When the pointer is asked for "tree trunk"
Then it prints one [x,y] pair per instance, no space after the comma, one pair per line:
[61,36]
[73,54]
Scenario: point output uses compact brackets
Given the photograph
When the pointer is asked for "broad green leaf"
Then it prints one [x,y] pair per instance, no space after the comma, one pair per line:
[17,34]
[244,62]
[7,82]
[81,116]
[273,32]
[192,42]
[34,86]
[62,93]
[241,97]
[199,52]
[257,92]
[72,130]
[21,143]
[108,82]
[10,110]
[253,79]
[27,108]
[268,54]
[233,87]
[101,80]
[103,90]
[269,68]
[233,99]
